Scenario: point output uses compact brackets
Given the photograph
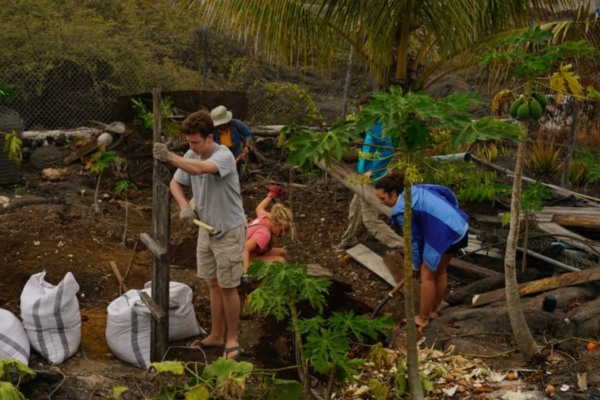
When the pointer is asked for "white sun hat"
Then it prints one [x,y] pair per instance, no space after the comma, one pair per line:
[220,115]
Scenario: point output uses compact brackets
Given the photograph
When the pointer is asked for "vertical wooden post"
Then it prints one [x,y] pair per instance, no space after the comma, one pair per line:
[161,224]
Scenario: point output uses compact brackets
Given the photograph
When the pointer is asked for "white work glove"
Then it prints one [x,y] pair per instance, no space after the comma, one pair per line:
[161,152]
[187,215]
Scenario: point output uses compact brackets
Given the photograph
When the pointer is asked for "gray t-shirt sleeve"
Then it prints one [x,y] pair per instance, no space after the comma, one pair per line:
[224,161]
[182,177]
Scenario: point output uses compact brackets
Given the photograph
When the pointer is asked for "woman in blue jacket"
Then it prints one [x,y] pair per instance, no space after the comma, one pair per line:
[439,231]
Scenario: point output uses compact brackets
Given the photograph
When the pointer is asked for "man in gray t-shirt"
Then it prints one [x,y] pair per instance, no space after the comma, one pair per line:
[210,170]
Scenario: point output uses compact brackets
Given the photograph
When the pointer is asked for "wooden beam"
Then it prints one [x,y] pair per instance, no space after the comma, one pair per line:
[578,221]
[570,211]
[568,279]
[156,249]
[158,314]
[473,269]
[345,175]
[82,151]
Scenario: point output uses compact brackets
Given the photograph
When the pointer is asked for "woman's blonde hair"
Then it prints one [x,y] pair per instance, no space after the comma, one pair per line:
[281,215]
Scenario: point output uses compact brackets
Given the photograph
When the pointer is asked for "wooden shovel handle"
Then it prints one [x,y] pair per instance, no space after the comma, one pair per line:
[387,298]
[201,224]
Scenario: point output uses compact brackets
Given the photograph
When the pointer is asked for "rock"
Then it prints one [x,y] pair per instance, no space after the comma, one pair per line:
[55,174]
[26,142]
[60,140]
[50,140]
[105,139]
[46,157]
[26,153]
[116,127]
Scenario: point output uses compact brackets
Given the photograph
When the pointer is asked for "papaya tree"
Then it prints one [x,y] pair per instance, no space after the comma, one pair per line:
[410,120]
[536,64]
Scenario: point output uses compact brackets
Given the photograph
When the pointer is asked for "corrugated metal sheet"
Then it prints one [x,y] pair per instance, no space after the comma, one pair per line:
[10,120]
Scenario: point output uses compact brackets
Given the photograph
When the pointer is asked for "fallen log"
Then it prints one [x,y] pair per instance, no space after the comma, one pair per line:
[577,221]
[82,151]
[474,269]
[568,279]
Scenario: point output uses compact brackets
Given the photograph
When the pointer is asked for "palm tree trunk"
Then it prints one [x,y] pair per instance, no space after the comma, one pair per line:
[414,380]
[564,178]
[402,61]
[523,336]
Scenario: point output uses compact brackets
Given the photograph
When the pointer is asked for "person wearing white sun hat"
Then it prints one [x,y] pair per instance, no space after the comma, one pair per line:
[232,133]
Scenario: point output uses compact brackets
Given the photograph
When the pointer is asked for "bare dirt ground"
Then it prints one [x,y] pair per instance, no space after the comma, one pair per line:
[64,234]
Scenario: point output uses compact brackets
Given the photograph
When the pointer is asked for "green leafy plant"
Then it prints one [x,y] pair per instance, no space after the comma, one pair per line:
[144,119]
[326,347]
[585,156]
[6,93]
[123,187]
[102,160]
[467,182]
[486,152]
[223,379]
[7,390]
[579,173]
[543,157]
[12,146]
[285,98]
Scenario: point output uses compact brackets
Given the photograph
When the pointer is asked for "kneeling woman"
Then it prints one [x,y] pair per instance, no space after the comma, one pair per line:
[260,242]
[439,231]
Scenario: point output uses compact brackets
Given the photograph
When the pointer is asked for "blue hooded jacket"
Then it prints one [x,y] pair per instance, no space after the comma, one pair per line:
[240,133]
[437,223]
[376,143]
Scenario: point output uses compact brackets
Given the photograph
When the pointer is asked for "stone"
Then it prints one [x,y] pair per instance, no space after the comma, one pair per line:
[55,174]
[46,157]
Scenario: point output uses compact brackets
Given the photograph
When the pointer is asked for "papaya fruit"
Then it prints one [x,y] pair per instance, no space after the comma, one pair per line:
[535,110]
[540,99]
[523,111]
[514,107]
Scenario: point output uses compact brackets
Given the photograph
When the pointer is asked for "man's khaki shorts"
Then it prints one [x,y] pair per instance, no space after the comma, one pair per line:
[222,257]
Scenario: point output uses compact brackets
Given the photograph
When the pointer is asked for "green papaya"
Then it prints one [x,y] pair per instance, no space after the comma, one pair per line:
[540,99]
[523,111]
[535,110]
[514,107]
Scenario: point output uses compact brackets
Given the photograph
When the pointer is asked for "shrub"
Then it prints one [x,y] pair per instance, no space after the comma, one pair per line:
[543,158]
[274,99]
[579,173]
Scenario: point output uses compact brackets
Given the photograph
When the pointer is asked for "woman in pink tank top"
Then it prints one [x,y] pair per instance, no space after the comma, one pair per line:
[265,228]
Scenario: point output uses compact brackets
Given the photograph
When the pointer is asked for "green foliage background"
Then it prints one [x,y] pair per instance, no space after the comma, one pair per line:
[69,60]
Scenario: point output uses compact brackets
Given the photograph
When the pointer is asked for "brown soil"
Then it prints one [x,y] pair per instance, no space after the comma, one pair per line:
[71,237]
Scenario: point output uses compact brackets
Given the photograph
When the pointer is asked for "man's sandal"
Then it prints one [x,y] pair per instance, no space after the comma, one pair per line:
[197,344]
[229,350]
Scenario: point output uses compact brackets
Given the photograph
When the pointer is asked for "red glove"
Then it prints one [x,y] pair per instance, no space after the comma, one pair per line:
[276,191]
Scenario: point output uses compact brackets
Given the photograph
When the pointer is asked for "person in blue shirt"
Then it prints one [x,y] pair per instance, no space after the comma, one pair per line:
[232,133]
[439,230]
[381,151]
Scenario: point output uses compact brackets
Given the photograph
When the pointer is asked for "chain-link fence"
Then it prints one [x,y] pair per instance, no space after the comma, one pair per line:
[69,66]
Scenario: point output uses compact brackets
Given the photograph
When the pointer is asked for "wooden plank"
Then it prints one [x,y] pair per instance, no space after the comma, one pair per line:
[372,261]
[161,230]
[570,211]
[317,270]
[473,269]
[568,279]
[82,151]
[492,253]
[122,284]
[156,249]
[574,239]
[578,221]
[159,315]
[345,175]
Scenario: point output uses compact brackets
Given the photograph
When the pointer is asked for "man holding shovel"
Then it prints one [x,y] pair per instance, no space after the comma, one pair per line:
[209,168]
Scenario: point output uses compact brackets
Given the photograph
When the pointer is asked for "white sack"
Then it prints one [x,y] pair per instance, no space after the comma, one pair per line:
[13,339]
[129,320]
[51,316]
